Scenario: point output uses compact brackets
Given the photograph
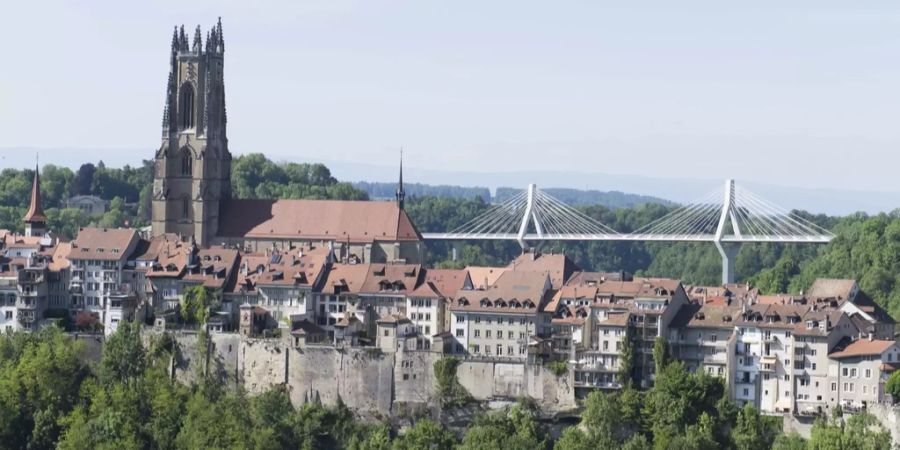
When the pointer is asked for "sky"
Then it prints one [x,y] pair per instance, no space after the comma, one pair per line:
[802,95]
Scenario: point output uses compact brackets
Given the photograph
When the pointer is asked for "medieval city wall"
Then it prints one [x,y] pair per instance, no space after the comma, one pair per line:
[367,380]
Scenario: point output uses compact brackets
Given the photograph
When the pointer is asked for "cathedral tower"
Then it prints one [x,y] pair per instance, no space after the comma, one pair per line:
[193,165]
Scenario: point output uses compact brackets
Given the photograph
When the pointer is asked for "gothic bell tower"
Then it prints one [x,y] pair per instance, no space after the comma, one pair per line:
[193,166]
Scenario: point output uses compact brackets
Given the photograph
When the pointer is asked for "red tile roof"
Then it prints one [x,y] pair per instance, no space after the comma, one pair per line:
[339,220]
[557,266]
[109,244]
[863,347]
[345,278]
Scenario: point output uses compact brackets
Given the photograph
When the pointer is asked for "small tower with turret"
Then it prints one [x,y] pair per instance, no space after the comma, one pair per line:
[35,220]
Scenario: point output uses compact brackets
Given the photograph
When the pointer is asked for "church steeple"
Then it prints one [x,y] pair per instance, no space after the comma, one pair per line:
[400,194]
[35,220]
[192,165]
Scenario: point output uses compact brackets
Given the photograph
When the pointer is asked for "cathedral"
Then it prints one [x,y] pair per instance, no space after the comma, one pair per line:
[192,179]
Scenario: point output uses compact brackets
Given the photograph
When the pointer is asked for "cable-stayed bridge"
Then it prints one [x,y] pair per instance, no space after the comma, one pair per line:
[726,218]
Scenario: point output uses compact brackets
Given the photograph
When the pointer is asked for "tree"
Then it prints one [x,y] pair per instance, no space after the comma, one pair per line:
[660,353]
[124,359]
[602,415]
[514,429]
[83,179]
[574,439]
[87,321]
[893,386]
[195,304]
[791,441]
[215,423]
[40,380]
[626,362]
[425,434]
[753,431]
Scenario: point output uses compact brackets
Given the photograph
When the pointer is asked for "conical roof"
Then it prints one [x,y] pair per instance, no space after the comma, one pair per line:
[35,212]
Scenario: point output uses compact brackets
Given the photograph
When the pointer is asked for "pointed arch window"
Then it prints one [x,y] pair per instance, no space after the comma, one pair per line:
[187,162]
[185,207]
[186,107]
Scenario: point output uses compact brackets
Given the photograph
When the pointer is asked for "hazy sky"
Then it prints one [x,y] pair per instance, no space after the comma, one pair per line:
[804,95]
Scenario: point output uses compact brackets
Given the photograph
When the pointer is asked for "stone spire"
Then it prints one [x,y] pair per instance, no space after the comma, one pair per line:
[175,40]
[198,42]
[221,47]
[400,194]
[35,219]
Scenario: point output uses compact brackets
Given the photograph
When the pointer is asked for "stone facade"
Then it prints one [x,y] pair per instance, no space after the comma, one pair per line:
[193,164]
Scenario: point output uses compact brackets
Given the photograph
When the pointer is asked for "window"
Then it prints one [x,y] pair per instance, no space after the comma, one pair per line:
[853,372]
[185,207]
[477,349]
[487,333]
[460,319]
[605,345]
[845,371]
[833,387]
[459,332]
[477,333]
[868,373]
[186,107]
[746,392]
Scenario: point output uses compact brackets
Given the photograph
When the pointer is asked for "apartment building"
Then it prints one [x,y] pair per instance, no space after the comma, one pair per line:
[447,282]
[502,320]
[703,337]
[387,286]
[286,283]
[782,353]
[859,370]
[338,297]
[97,285]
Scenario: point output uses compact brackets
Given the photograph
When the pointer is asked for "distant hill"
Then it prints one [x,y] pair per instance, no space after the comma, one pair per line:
[385,191]
[610,199]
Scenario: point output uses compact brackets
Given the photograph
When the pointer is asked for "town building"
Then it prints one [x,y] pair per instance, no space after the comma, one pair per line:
[88,204]
[858,371]
[502,320]
[98,285]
